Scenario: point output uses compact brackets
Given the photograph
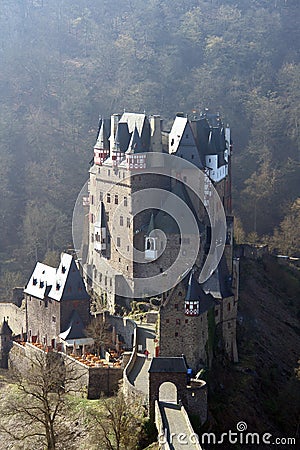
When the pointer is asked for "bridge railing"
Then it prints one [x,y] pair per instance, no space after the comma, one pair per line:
[128,388]
[162,431]
[197,446]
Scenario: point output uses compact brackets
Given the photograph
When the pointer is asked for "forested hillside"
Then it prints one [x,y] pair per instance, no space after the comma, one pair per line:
[65,62]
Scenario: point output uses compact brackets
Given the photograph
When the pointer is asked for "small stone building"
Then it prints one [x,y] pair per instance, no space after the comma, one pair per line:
[57,305]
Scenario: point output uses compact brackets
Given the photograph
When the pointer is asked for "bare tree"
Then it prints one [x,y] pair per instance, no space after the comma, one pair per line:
[99,330]
[118,422]
[38,406]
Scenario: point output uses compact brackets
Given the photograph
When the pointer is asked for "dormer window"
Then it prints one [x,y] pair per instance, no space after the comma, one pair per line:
[34,281]
[57,286]
[41,284]
[63,269]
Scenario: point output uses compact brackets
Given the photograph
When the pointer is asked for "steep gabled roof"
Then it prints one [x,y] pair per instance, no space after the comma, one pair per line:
[141,123]
[135,144]
[134,120]
[65,282]
[42,278]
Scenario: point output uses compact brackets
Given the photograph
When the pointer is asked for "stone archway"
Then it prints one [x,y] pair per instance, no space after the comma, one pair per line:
[168,392]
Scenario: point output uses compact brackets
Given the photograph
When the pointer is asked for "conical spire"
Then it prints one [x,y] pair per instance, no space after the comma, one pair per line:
[102,140]
[135,144]
[151,225]
[194,290]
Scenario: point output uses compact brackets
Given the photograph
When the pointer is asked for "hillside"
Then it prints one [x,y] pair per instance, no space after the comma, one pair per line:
[65,63]
[262,389]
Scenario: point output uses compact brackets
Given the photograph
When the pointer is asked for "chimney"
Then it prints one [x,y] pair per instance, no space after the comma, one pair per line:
[113,129]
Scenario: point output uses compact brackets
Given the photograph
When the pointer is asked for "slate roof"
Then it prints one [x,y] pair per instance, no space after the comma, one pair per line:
[219,284]
[102,139]
[5,328]
[168,365]
[59,284]
[141,123]
[75,328]
[135,144]
[195,292]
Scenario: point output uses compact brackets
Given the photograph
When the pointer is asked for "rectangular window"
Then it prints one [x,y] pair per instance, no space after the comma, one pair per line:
[176,334]
[101,196]
[116,199]
[118,242]
[167,320]
[176,306]
[177,321]
[121,221]
[108,198]
[107,217]
[125,201]
[53,319]
[128,222]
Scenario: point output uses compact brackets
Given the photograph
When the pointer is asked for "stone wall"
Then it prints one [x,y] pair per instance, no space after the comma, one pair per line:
[124,327]
[129,389]
[16,316]
[43,319]
[196,399]
[90,382]
[162,441]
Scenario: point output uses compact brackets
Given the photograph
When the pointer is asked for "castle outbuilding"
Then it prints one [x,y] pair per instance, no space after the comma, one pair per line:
[57,305]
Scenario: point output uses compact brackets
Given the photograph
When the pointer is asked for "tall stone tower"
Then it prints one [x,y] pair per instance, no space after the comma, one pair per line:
[124,246]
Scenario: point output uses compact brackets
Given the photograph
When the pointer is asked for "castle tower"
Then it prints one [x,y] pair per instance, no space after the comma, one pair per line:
[191,314]
[5,343]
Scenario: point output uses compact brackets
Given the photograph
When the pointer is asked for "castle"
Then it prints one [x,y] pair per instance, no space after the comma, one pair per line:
[123,250]
[156,199]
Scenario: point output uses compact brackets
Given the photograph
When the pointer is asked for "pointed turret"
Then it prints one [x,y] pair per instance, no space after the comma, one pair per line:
[117,153]
[135,144]
[101,149]
[196,301]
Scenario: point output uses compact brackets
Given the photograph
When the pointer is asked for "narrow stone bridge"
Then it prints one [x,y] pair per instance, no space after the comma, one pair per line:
[174,427]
